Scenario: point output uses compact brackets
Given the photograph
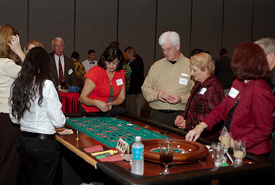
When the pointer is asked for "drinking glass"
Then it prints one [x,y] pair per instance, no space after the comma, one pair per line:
[239,151]
[217,153]
[225,139]
[166,154]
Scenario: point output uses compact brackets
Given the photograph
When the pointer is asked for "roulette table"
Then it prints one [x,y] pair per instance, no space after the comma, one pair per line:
[198,171]
[108,130]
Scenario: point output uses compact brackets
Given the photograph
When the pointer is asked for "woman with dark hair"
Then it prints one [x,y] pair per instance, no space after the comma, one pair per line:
[9,157]
[248,107]
[105,83]
[34,104]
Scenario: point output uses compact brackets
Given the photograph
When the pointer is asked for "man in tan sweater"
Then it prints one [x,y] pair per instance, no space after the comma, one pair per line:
[168,83]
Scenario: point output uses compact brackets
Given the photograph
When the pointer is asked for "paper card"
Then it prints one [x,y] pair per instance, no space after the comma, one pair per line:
[203,90]
[233,92]
[183,81]
[183,74]
[119,82]
[122,146]
[70,71]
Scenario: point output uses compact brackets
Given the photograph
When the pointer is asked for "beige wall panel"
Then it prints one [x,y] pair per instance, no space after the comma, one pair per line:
[237,23]
[15,13]
[264,16]
[174,15]
[136,28]
[50,19]
[207,25]
[96,25]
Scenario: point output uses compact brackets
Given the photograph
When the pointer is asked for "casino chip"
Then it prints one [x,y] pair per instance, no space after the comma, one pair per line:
[129,124]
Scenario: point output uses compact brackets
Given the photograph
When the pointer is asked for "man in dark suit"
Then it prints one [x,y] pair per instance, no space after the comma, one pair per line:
[62,67]
[134,96]
[223,71]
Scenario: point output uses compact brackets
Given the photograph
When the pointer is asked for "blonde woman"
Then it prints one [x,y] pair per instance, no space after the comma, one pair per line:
[205,95]
[9,157]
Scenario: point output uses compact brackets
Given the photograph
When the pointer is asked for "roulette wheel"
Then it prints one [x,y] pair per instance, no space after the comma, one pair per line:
[184,151]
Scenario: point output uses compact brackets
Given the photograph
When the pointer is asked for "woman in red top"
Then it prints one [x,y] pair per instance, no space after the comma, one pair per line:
[205,95]
[250,95]
[105,84]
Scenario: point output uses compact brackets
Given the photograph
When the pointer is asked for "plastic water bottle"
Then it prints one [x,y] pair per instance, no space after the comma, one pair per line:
[138,157]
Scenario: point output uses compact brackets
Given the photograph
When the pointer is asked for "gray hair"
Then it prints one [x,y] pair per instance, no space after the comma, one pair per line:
[268,44]
[58,38]
[171,36]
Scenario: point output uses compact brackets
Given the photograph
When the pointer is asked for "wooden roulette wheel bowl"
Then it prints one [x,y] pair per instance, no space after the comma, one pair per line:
[191,151]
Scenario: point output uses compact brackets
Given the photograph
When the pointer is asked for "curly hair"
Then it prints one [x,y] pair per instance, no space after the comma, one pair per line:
[6,31]
[202,61]
[29,84]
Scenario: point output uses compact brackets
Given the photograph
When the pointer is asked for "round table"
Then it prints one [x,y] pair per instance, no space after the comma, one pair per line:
[69,101]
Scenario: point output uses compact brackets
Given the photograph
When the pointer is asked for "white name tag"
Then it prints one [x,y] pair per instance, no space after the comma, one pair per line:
[233,92]
[183,74]
[119,82]
[70,71]
[203,90]
[183,81]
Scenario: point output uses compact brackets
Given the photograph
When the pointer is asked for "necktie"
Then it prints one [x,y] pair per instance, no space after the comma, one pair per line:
[61,76]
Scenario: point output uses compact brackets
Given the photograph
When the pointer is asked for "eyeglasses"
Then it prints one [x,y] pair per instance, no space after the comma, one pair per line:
[167,49]
[56,46]
[115,62]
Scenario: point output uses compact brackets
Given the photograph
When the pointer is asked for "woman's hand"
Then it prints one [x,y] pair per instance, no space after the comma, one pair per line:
[180,122]
[101,105]
[16,47]
[110,105]
[194,134]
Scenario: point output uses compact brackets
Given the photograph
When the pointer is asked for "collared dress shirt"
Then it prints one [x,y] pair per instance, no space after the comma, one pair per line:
[175,79]
[88,64]
[45,118]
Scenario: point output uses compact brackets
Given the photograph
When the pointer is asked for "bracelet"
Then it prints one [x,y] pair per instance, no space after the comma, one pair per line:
[201,127]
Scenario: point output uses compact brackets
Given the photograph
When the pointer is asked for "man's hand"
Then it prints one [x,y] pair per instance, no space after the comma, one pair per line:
[174,99]
[163,96]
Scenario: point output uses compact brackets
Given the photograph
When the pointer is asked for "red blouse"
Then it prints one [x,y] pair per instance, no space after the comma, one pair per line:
[203,99]
[102,85]
[252,118]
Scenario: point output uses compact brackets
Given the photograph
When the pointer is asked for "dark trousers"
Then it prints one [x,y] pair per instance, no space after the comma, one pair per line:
[40,158]
[166,118]
[9,157]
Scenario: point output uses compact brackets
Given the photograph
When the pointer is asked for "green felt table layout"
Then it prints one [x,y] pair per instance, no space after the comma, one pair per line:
[108,130]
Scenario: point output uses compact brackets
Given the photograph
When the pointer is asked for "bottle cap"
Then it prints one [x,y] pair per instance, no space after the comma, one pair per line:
[137,138]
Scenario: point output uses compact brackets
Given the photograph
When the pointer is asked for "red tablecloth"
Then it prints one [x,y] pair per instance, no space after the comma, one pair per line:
[69,101]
